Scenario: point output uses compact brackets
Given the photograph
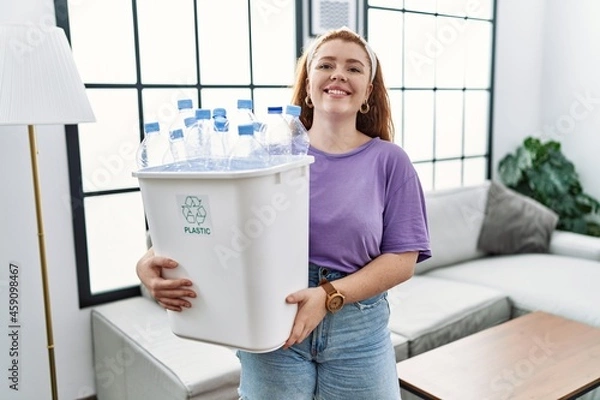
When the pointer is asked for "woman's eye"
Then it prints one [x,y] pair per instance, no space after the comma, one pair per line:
[324,66]
[354,69]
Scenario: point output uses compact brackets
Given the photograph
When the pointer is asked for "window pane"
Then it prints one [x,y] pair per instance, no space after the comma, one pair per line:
[167,41]
[224,98]
[108,147]
[224,42]
[160,105]
[448,174]
[448,123]
[478,65]
[420,5]
[397,4]
[386,29]
[116,237]
[421,50]
[450,60]
[273,42]
[474,171]
[425,172]
[480,9]
[265,98]
[96,41]
[454,7]
[396,100]
[418,124]
[476,122]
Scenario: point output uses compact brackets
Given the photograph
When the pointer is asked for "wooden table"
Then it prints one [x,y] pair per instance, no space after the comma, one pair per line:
[536,356]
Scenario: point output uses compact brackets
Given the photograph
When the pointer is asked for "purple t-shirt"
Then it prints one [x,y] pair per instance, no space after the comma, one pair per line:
[364,203]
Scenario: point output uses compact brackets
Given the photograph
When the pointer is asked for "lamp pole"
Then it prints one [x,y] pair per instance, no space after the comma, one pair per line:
[43,261]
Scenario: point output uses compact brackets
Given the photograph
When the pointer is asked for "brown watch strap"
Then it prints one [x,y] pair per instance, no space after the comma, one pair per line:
[328,287]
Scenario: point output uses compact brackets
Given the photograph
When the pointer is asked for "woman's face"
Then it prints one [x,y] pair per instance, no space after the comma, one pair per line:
[339,77]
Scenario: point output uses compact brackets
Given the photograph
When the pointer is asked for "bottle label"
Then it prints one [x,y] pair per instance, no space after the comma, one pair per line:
[195,214]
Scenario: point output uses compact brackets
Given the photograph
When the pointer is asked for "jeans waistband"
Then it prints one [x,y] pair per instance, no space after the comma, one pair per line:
[316,273]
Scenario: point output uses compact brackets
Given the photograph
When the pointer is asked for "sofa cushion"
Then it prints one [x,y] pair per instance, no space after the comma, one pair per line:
[152,362]
[400,344]
[560,285]
[575,245]
[454,217]
[431,312]
[515,223]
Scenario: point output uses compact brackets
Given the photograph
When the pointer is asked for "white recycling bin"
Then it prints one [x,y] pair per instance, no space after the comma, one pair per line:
[241,237]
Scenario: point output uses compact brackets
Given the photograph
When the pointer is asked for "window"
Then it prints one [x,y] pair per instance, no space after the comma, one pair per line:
[437,61]
[138,57]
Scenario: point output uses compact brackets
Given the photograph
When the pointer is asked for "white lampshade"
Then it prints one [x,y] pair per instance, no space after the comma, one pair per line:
[39,82]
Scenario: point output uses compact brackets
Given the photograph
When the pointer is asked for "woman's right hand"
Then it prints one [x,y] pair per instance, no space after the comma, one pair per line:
[169,293]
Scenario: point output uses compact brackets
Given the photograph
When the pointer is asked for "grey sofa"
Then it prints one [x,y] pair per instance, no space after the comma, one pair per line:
[459,291]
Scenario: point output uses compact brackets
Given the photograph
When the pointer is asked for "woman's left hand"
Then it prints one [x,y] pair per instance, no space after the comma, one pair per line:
[311,311]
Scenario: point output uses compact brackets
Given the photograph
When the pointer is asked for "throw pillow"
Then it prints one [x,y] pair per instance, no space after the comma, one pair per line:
[515,223]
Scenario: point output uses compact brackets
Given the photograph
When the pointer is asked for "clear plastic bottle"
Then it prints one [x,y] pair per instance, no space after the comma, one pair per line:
[219,142]
[177,146]
[197,138]
[186,110]
[153,147]
[247,153]
[277,134]
[300,140]
[244,115]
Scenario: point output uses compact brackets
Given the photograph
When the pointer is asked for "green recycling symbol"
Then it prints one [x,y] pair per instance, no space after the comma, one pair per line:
[193,210]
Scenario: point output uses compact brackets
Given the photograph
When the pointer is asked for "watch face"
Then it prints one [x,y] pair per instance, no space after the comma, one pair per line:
[336,303]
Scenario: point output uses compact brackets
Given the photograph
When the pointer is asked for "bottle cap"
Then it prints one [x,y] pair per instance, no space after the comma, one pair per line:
[244,104]
[202,113]
[189,121]
[184,104]
[293,110]
[176,134]
[219,112]
[245,129]
[220,124]
[151,127]
[274,110]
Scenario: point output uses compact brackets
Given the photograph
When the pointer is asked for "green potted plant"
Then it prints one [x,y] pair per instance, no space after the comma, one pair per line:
[541,171]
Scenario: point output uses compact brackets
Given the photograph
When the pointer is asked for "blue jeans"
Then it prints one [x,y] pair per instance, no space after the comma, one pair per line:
[349,356]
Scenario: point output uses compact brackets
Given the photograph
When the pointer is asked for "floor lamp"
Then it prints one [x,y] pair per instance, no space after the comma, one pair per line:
[39,84]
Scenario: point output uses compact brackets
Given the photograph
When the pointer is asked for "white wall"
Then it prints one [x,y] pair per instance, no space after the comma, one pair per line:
[517,83]
[547,82]
[72,331]
[571,84]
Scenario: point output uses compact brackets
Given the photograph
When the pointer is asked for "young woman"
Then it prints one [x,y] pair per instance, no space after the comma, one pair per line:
[368,229]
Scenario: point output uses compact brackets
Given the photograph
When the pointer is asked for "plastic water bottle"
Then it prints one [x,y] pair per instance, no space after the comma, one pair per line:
[177,146]
[186,110]
[152,149]
[277,134]
[244,115]
[197,138]
[247,153]
[219,142]
[300,140]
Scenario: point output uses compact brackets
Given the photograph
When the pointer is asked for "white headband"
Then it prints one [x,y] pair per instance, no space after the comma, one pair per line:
[368,48]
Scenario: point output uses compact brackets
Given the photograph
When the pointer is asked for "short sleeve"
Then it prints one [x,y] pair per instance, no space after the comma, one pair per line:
[405,219]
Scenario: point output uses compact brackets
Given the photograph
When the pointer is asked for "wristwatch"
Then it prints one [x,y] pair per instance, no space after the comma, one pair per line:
[335,300]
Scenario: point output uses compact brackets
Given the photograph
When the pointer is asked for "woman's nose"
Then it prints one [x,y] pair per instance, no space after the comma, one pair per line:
[338,75]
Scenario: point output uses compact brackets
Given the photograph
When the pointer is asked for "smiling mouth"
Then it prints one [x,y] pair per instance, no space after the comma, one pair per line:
[336,92]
